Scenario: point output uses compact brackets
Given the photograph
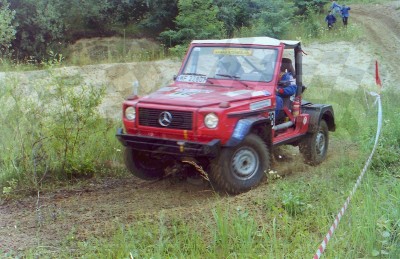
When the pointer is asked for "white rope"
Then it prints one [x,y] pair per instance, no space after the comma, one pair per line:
[335,224]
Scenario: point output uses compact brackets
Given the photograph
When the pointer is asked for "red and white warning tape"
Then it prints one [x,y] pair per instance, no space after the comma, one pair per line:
[335,224]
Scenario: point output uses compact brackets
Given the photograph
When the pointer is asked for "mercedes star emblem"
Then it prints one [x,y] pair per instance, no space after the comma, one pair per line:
[165,119]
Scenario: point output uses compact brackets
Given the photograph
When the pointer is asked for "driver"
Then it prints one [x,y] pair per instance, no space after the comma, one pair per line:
[229,65]
[287,86]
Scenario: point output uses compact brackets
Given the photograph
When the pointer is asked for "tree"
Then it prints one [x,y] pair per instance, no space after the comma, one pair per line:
[40,25]
[84,15]
[304,5]
[7,26]
[127,11]
[197,19]
[273,17]
[234,14]
[161,16]
[47,24]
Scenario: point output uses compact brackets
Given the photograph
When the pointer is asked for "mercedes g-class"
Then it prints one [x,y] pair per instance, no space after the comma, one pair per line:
[220,114]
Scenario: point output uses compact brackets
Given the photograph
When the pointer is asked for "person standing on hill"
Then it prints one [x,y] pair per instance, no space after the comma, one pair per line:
[335,7]
[330,19]
[345,14]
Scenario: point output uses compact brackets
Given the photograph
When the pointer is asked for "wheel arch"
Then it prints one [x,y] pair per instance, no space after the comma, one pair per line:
[317,113]
[330,120]
[259,126]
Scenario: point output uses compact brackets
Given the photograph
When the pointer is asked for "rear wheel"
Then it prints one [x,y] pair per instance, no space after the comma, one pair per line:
[143,164]
[315,146]
[239,168]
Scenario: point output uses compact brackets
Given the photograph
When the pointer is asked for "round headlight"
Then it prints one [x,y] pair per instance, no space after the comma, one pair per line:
[211,120]
[130,113]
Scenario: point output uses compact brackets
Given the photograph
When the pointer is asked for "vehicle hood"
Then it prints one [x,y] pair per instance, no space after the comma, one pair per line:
[201,95]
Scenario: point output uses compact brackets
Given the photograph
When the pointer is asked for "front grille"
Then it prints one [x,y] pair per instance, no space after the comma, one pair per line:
[178,119]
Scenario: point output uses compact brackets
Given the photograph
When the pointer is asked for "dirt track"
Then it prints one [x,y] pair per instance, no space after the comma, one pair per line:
[90,209]
[382,27]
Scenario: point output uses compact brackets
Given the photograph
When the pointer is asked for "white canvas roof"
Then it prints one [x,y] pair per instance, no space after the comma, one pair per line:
[251,40]
[290,43]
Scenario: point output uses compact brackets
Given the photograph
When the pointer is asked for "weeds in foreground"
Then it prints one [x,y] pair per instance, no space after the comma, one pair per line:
[289,219]
[370,227]
[81,54]
[51,129]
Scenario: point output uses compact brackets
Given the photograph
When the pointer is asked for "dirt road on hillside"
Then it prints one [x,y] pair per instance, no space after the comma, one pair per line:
[92,207]
[382,27]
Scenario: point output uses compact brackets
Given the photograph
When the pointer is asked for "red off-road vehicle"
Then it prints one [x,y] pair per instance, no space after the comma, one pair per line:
[219,114]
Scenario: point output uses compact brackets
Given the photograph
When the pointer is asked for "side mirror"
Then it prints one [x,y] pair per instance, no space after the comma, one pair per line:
[174,77]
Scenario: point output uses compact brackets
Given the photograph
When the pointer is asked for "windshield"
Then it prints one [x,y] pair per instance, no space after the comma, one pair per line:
[249,64]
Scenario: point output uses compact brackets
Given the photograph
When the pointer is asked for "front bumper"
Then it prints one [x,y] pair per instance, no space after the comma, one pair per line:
[170,146]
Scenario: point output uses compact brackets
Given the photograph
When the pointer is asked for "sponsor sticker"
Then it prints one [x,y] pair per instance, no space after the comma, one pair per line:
[260,105]
[233,52]
[236,93]
[260,93]
[185,92]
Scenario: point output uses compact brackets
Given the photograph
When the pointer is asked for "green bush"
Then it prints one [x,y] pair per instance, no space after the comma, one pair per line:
[52,129]
[293,204]
[7,27]
[304,5]
[195,21]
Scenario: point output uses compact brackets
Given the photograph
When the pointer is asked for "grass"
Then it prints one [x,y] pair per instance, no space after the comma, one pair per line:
[288,218]
[314,29]
[108,50]
[117,53]
[51,129]
[269,231]
[368,1]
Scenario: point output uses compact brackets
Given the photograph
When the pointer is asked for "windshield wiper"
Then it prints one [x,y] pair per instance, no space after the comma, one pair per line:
[233,77]
[230,76]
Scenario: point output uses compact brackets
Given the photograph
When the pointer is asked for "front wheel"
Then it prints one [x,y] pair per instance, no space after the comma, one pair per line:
[143,164]
[239,168]
[315,146]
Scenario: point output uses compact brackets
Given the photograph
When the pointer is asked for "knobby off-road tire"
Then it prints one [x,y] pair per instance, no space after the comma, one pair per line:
[238,169]
[315,145]
[143,165]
